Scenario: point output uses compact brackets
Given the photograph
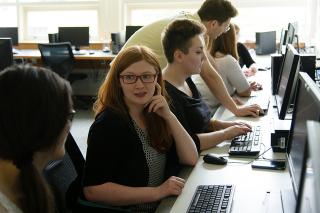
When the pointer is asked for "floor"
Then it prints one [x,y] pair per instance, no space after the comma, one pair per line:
[80,128]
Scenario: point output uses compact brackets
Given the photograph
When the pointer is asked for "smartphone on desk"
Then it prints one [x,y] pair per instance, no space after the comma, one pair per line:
[269,164]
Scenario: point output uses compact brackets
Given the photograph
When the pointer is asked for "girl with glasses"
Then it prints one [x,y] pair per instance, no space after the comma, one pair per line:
[224,51]
[35,113]
[136,144]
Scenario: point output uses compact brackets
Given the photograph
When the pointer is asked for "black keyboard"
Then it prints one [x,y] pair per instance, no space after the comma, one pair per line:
[248,144]
[212,198]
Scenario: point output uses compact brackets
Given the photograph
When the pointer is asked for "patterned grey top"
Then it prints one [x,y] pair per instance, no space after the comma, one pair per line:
[156,163]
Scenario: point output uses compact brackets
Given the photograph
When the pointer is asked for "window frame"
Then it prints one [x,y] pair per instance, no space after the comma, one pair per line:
[25,8]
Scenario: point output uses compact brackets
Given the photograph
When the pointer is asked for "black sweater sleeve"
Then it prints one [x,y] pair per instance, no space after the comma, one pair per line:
[177,107]
[244,55]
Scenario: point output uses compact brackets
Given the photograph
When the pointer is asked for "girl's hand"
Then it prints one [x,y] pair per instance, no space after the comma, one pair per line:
[218,124]
[255,86]
[172,186]
[236,130]
[158,104]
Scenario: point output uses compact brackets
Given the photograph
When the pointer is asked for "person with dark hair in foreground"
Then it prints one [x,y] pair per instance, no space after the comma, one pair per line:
[35,117]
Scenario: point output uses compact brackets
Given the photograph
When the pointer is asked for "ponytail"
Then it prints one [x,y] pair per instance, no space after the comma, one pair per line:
[37,195]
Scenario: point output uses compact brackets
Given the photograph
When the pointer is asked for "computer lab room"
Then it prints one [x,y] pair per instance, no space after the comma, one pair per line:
[160,106]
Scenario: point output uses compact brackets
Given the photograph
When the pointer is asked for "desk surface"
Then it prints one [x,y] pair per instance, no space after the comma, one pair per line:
[35,54]
[251,185]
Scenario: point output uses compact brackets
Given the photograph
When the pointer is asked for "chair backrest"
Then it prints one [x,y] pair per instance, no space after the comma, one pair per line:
[65,179]
[6,58]
[61,175]
[58,56]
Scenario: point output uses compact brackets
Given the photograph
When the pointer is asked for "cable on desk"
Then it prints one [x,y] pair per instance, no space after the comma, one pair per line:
[255,158]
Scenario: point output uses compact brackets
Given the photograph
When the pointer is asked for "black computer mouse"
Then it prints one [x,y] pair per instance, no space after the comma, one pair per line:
[214,159]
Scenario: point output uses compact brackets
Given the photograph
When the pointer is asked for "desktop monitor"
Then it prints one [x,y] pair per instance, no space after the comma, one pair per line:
[10,32]
[309,192]
[306,108]
[265,42]
[5,53]
[290,34]
[77,36]
[287,81]
[282,43]
[130,30]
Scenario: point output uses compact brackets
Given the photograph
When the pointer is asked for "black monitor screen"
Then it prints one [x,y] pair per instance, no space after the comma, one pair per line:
[5,53]
[290,34]
[130,30]
[309,192]
[10,32]
[78,36]
[287,81]
[306,108]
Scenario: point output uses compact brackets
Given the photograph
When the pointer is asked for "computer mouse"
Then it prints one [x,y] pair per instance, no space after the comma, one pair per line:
[214,159]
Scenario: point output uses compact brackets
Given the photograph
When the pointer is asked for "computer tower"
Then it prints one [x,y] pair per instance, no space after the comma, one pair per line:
[265,42]
[276,62]
[6,54]
[308,64]
[115,43]
[280,135]
[53,37]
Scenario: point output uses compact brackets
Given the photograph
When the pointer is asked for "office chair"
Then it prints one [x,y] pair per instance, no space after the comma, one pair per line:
[65,180]
[63,173]
[60,59]
[6,53]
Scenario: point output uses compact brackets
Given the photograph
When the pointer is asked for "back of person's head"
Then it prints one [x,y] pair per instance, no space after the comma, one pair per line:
[236,28]
[226,43]
[220,10]
[34,110]
[110,93]
[177,36]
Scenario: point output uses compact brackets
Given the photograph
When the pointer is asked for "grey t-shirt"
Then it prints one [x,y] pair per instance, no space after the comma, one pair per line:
[232,75]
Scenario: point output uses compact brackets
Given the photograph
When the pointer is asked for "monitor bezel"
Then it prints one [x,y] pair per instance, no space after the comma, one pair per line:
[289,93]
[313,137]
[290,34]
[309,85]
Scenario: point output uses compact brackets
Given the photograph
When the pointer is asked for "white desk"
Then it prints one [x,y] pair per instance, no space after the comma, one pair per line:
[251,185]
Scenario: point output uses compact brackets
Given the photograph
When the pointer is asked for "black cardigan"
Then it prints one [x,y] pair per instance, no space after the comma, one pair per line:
[115,153]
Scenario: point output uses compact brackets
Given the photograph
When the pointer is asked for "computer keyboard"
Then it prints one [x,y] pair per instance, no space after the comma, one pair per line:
[212,198]
[262,101]
[80,52]
[248,144]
